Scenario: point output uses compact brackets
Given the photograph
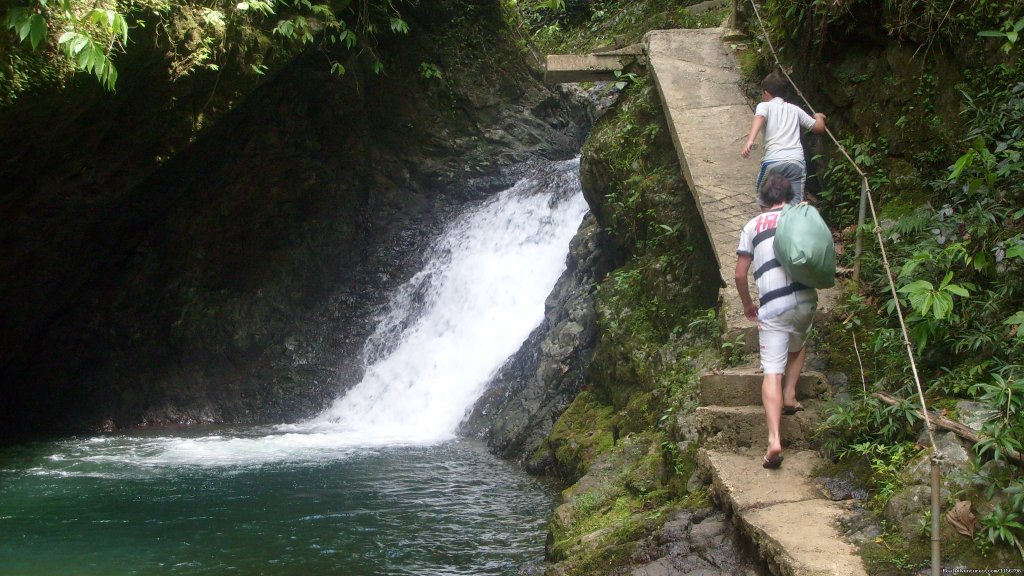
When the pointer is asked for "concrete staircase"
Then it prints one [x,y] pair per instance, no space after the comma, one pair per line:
[790,523]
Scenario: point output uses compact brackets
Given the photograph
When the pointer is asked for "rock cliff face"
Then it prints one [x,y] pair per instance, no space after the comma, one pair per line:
[237,281]
[537,384]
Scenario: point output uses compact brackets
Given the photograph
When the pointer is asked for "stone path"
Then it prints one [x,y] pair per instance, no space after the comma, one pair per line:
[787,518]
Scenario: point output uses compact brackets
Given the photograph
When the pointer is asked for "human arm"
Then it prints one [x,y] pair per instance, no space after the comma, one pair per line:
[819,123]
[743,262]
[755,127]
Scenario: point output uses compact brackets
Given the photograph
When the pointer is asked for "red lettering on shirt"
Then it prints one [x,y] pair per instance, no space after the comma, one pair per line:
[766,222]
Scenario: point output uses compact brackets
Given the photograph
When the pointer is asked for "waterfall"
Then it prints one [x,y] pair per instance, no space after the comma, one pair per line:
[451,326]
[439,341]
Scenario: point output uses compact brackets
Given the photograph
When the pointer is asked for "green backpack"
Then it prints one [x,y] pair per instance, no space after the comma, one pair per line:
[804,248]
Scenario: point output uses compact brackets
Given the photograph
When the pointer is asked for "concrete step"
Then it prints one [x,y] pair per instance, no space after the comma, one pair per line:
[744,426]
[791,525]
[742,387]
[739,482]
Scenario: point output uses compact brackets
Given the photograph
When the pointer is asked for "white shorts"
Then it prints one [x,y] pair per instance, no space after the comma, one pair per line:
[783,334]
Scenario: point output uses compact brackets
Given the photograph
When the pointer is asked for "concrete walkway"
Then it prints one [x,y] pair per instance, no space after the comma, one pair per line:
[787,518]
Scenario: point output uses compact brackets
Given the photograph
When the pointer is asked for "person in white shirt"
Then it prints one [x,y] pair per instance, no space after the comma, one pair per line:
[783,123]
[784,316]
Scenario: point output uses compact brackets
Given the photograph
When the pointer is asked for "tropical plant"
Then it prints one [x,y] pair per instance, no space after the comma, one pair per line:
[89,36]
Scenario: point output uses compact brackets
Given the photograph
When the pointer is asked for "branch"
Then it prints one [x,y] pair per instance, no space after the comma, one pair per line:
[953,426]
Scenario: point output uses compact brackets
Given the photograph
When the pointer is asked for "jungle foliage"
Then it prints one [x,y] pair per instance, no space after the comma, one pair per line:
[955,248]
[47,41]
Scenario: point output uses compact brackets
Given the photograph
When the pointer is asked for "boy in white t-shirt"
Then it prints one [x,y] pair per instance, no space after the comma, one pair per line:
[783,317]
[782,122]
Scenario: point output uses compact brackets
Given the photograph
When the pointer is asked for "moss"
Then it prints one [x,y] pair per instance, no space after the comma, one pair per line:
[582,432]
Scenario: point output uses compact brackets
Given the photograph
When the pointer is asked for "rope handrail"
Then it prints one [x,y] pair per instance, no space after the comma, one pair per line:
[865,193]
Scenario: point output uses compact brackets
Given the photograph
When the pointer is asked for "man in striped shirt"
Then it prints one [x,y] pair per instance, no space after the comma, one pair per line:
[784,317]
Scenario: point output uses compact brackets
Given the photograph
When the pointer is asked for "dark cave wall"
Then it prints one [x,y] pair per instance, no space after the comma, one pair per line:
[237,281]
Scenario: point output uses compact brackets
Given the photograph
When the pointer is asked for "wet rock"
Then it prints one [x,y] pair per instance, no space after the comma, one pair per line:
[692,543]
[859,526]
[542,378]
[973,414]
[956,461]
[842,487]
[906,509]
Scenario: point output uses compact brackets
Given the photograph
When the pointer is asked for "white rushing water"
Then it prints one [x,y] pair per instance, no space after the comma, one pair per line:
[444,334]
[452,325]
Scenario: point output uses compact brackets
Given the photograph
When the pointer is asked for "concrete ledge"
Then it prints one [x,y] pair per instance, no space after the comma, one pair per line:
[744,427]
[743,387]
[586,68]
[801,539]
[789,522]
[740,482]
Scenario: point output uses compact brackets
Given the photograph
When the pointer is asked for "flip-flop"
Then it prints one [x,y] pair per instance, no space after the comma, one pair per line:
[773,462]
[790,410]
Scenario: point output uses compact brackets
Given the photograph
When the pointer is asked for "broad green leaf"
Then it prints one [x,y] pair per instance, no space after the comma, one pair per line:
[962,163]
[917,286]
[119,27]
[38,30]
[946,279]
[79,44]
[942,305]
[400,26]
[214,18]
[958,290]
[1016,318]
[14,16]
[24,28]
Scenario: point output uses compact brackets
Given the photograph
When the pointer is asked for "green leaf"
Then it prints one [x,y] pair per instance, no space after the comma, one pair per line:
[946,279]
[942,305]
[214,18]
[400,26]
[79,44]
[14,15]
[962,163]
[958,290]
[1016,319]
[917,286]
[1015,251]
[38,31]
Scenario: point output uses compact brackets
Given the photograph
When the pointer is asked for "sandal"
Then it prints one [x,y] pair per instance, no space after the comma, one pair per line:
[791,410]
[773,462]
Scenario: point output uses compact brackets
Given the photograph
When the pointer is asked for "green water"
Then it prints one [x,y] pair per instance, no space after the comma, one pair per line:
[135,505]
